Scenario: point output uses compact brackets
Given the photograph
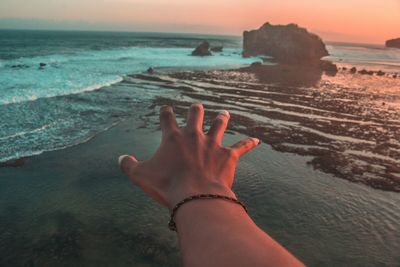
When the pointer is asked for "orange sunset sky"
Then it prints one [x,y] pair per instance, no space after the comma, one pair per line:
[367,21]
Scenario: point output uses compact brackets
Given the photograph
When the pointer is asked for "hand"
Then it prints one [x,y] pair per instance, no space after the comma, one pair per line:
[188,161]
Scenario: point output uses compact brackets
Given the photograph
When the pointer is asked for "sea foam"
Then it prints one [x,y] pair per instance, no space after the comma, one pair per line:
[78,72]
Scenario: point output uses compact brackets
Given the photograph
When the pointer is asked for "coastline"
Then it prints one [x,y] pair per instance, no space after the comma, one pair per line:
[297,109]
[74,206]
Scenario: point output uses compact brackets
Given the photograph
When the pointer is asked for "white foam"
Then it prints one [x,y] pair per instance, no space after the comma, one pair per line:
[91,70]
[25,132]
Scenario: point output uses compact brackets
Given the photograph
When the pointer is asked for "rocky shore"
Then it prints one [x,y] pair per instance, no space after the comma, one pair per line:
[343,123]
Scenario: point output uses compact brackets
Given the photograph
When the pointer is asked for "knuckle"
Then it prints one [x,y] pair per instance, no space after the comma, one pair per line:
[232,153]
[248,144]
[134,176]
[173,135]
[194,133]
[214,143]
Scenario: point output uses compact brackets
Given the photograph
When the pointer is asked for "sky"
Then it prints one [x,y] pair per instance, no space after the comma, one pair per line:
[363,21]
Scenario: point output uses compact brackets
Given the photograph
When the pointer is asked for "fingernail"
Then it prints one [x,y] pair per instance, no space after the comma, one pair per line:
[121,158]
[224,113]
[257,141]
[166,107]
[197,104]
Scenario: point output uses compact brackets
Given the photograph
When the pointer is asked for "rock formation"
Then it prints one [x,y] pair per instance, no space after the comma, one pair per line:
[328,67]
[202,50]
[217,48]
[366,72]
[393,43]
[380,73]
[285,43]
[150,70]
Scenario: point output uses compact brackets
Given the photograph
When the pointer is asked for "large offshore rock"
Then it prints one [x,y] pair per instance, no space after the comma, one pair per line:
[285,43]
[393,43]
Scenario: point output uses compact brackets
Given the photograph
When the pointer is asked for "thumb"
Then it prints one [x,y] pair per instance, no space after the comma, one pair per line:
[127,164]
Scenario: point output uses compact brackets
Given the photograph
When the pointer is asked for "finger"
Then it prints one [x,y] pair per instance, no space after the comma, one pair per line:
[167,119]
[218,126]
[195,117]
[127,164]
[244,146]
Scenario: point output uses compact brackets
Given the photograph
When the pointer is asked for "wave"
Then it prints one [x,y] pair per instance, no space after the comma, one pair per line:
[25,132]
[27,154]
[66,74]
[89,88]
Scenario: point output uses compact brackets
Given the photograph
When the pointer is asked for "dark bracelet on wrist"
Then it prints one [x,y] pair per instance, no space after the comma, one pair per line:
[172,224]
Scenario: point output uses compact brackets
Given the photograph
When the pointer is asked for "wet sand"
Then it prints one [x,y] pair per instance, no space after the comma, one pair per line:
[348,123]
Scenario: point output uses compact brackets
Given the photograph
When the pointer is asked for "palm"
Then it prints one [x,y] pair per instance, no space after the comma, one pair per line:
[188,161]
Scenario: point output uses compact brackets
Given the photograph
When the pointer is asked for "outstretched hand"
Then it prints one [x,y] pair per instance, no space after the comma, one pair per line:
[188,161]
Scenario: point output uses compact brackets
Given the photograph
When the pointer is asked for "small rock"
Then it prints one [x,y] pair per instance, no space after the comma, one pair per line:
[380,73]
[217,48]
[329,67]
[256,64]
[202,50]
[14,163]
[19,66]
[366,72]
[150,70]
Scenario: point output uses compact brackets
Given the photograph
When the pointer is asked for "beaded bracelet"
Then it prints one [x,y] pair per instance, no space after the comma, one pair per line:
[172,224]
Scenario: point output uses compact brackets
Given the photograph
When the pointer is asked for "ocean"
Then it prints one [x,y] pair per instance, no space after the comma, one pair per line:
[52,104]
[69,205]
[50,108]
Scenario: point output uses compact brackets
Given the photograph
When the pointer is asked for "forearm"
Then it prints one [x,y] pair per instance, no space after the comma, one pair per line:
[189,162]
[220,233]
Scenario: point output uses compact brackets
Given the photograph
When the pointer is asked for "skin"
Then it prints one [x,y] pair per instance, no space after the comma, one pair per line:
[211,232]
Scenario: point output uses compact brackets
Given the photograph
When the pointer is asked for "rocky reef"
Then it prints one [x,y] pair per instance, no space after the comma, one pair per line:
[395,43]
[285,43]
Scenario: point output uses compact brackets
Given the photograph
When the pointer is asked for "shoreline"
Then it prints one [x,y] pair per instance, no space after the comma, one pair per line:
[285,124]
[338,135]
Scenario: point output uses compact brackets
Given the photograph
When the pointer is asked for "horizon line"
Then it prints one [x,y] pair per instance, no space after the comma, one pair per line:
[165,32]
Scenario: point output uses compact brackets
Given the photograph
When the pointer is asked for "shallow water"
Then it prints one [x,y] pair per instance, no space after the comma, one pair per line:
[73,207]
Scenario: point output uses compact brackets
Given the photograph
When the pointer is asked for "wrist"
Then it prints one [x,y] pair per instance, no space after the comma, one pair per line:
[188,191]
[202,214]
[172,224]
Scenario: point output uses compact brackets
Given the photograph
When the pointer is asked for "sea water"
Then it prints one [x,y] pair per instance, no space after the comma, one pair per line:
[48,107]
